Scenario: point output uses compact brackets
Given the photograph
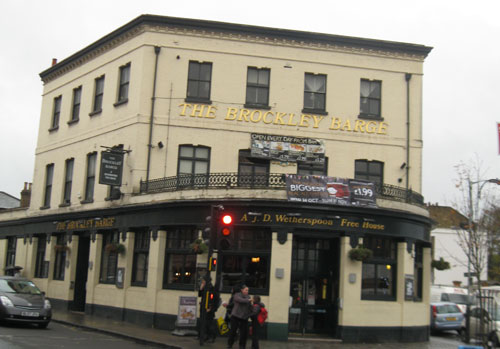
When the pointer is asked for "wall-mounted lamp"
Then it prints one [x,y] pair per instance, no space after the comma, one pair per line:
[403,165]
[160,144]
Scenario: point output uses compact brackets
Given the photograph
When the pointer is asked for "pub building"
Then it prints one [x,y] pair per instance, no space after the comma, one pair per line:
[311,142]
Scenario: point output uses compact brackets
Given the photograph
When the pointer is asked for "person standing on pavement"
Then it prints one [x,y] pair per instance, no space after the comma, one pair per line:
[242,310]
[257,305]
[210,305]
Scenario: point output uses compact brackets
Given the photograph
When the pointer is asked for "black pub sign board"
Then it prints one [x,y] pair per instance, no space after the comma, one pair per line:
[111,168]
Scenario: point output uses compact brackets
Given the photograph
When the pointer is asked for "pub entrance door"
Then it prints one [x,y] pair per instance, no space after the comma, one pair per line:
[314,286]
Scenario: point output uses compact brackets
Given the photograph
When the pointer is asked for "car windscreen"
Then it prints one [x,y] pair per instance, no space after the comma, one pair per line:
[447,309]
[458,298]
[19,286]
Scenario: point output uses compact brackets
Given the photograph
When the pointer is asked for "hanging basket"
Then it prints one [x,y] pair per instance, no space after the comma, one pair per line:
[199,246]
[115,248]
[360,254]
[440,264]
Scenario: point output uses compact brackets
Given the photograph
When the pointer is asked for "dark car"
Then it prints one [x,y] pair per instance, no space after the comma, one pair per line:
[446,316]
[22,302]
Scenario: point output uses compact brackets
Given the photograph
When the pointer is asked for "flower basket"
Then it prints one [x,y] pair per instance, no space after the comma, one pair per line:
[199,246]
[440,264]
[115,248]
[360,254]
[62,248]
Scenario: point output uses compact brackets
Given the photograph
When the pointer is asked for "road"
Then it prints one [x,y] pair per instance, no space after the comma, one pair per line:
[60,336]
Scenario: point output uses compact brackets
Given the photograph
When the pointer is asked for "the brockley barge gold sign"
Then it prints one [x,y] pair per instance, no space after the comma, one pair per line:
[90,223]
[269,117]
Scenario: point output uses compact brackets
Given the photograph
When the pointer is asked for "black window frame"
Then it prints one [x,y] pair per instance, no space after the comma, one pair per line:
[258,246]
[68,181]
[369,100]
[98,95]
[75,106]
[10,255]
[178,246]
[60,258]
[49,179]
[56,113]
[249,177]
[195,80]
[312,168]
[107,275]
[41,249]
[369,174]
[258,88]
[141,248]
[192,178]
[123,84]
[90,177]
[314,96]
[380,258]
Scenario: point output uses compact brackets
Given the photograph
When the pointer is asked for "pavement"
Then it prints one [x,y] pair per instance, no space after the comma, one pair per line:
[165,339]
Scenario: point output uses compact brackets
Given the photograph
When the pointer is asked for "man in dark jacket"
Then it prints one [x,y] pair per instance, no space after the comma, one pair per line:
[257,305]
[210,300]
[242,310]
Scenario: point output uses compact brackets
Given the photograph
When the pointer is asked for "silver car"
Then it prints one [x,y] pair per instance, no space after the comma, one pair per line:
[22,302]
[446,316]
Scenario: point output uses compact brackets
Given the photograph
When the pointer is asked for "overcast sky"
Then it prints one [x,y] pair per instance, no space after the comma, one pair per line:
[461,75]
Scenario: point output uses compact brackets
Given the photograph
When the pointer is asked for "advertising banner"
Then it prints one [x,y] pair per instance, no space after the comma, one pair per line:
[285,148]
[187,311]
[330,190]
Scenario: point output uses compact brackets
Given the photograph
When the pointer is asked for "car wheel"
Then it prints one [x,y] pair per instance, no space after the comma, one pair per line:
[43,325]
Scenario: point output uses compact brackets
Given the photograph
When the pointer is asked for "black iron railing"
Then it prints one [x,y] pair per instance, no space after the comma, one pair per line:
[266,181]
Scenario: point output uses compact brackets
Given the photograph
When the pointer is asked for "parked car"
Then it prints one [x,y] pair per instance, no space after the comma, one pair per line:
[446,316]
[457,295]
[490,326]
[22,302]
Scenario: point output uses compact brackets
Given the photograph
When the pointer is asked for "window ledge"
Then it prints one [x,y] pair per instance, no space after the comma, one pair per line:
[55,128]
[257,106]
[74,121]
[138,284]
[314,111]
[370,117]
[197,100]
[87,201]
[95,112]
[44,207]
[65,204]
[123,101]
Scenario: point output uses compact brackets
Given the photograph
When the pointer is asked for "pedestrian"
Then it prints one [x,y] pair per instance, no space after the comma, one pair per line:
[242,310]
[257,306]
[230,304]
[210,306]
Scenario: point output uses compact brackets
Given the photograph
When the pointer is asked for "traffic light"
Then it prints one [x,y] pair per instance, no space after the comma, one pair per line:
[212,265]
[225,236]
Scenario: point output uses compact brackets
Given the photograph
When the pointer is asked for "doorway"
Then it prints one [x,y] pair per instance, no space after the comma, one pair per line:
[82,265]
[314,286]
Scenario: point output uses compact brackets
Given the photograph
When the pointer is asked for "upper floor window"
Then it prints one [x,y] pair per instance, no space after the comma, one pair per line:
[11,251]
[49,176]
[312,168]
[56,113]
[194,164]
[98,95]
[140,259]
[68,181]
[199,81]
[40,256]
[90,177]
[315,93]
[372,171]
[77,98]
[180,260]
[124,84]
[370,98]
[252,171]
[257,87]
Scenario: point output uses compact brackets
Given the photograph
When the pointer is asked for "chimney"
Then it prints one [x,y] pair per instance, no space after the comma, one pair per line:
[26,195]
[54,61]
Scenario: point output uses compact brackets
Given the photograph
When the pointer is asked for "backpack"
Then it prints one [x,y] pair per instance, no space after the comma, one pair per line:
[262,316]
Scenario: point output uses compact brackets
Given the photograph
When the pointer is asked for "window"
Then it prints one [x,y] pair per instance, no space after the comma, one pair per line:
[379,272]
[257,87]
[49,175]
[109,257]
[312,168]
[248,262]
[199,80]
[252,171]
[11,251]
[40,256]
[370,98]
[75,111]
[60,261]
[124,84]
[180,261]
[141,259]
[315,93]
[90,178]
[372,171]
[418,273]
[68,181]
[193,166]
[98,95]
[56,113]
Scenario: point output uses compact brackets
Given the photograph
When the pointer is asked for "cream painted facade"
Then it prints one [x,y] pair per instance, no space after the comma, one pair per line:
[157,118]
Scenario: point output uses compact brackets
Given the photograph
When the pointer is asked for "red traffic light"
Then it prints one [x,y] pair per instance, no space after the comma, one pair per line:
[227,219]
[226,231]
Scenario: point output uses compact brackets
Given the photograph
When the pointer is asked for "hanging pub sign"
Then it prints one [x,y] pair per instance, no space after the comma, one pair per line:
[111,168]
[285,148]
[330,190]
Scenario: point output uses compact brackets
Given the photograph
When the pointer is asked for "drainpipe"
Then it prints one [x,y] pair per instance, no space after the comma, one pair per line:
[407,78]
[153,99]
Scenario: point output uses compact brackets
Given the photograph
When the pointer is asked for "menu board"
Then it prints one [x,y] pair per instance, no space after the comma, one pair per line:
[285,148]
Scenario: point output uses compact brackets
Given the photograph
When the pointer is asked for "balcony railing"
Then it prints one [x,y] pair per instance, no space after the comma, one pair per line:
[267,181]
